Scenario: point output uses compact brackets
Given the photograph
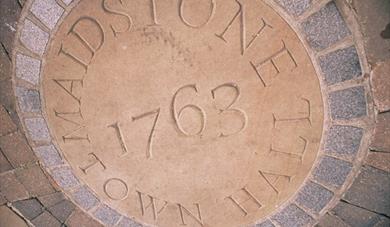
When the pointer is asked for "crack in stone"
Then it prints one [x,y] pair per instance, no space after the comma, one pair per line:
[366,209]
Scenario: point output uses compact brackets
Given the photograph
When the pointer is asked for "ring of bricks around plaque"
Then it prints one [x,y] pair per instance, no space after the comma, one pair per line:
[173,113]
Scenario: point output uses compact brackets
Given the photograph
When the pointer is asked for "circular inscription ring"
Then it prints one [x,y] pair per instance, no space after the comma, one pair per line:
[171,113]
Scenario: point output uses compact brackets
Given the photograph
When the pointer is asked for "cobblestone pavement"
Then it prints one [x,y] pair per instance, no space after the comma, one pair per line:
[29,196]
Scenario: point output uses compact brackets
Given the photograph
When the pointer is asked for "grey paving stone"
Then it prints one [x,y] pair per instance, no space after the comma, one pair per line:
[65,177]
[5,65]
[37,129]
[9,14]
[34,38]
[107,215]
[62,210]
[4,163]
[51,199]
[314,197]
[379,160]
[28,68]
[332,171]
[48,11]
[380,84]
[380,140]
[7,126]
[127,222]
[373,17]
[348,104]
[325,27]
[18,152]
[329,220]
[28,100]
[10,187]
[46,220]
[292,216]
[371,190]
[343,140]
[266,223]
[81,218]
[30,208]
[340,65]
[34,180]
[85,198]
[9,218]
[7,98]
[355,216]
[295,7]
[48,155]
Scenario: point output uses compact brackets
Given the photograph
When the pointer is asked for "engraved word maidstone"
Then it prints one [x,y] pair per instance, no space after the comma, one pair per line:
[183,112]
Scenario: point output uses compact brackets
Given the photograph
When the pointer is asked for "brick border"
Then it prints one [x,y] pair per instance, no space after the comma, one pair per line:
[337,58]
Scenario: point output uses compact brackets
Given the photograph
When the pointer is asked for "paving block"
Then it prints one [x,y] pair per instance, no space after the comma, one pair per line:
[30,208]
[80,218]
[371,190]
[34,180]
[29,100]
[85,198]
[292,216]
[348,104]
[325,27]
[380,139]
[6,124]
[45,220]
[17,150]
[332,171]
[341,65]
[343,141]
[48,155]
[107,215]
[295,8]
[62,210]
[33,37]
[10,218]
[47,11]
[314,197]
[28,68]
[11,188]
[355,216]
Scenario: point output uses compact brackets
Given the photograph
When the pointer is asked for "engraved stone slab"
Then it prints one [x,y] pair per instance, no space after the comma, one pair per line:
[193,112]
[198,113]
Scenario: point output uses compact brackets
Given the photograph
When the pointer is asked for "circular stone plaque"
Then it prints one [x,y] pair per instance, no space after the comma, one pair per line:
[197,113]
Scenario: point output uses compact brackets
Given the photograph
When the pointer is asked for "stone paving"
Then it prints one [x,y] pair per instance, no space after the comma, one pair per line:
[30,196]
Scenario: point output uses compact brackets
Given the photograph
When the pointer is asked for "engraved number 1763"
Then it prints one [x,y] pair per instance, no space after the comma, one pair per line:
[176,114]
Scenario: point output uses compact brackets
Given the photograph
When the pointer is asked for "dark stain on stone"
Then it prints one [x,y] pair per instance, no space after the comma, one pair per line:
[386,33]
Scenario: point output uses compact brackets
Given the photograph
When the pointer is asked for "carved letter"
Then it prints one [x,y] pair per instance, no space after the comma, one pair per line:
[149,153]
[71,83]
[127,17]
[307,116]
[229,108]
[87,44]
[75,135]
[70,116]
[196,218]
[212,10]
[272,59]
[154,12]
[272,184]
[94,162]
[121,182]
[241,13]
[250,197]
[152,204]
[119,134]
